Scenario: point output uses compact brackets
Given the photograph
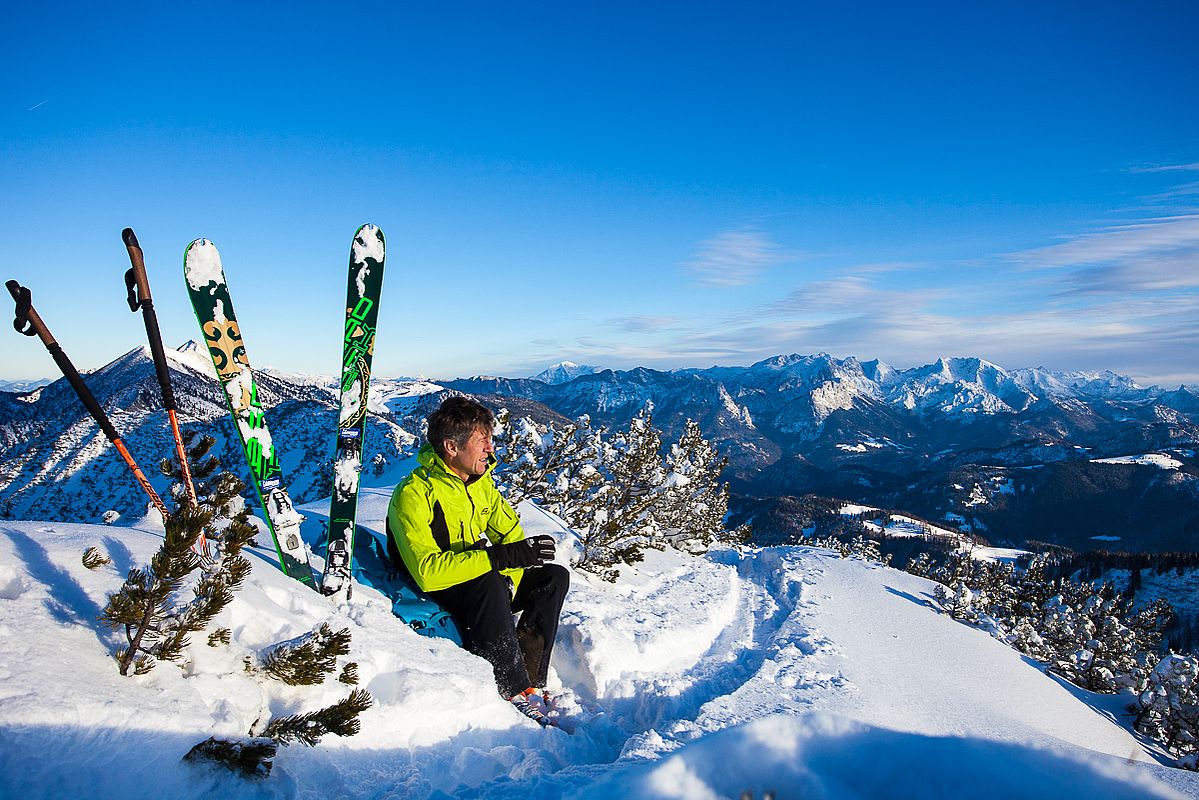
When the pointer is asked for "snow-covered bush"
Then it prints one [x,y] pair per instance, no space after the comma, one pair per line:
[959,601]
[859,547]
[306,660]
[618,490]
[1087,633]
[696,502]
[1168,708]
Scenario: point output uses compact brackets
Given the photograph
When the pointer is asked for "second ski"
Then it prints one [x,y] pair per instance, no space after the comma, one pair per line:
[365,284]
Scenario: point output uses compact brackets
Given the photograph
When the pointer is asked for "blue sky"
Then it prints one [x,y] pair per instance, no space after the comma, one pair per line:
[620,184]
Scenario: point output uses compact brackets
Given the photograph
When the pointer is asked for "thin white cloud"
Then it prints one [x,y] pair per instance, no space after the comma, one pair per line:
[1165,168]
[1119,242]
[736,257]
[848,293]
[1181,191]
[641,323]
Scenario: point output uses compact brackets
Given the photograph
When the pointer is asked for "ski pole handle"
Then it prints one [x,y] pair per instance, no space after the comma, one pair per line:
[138,285]
[27,320]
[136,280]
[27,315]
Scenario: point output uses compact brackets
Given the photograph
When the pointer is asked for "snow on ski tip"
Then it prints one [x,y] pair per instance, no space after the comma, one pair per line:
[368,243]
[352,404]
[203,265]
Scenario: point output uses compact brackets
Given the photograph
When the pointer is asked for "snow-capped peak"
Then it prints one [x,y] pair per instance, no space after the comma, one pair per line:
[564,372]
[192,355]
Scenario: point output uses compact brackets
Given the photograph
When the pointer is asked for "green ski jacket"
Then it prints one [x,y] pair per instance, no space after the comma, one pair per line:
[439,521]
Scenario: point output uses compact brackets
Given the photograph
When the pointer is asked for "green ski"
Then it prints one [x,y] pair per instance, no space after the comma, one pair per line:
[209,293]
[365,284]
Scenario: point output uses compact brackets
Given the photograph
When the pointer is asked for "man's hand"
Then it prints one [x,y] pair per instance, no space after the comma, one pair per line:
[525,553]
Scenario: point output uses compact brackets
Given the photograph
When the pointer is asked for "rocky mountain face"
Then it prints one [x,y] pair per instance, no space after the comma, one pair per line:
[1012,455]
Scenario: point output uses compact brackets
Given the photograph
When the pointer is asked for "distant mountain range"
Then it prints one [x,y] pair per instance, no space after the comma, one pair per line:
[56,464]
[1012,455]
[22,386]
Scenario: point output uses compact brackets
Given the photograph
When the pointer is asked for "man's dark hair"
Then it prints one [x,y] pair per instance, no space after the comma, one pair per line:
[456,419]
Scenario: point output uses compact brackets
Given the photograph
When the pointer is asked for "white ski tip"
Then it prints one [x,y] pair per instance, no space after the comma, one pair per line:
[202,265]
[368,243]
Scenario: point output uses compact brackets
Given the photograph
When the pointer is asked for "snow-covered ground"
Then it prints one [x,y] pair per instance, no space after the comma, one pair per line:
[1159,460]
[899,527]
[782,669]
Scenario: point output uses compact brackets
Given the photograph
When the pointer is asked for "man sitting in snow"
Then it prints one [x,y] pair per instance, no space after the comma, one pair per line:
[463,545]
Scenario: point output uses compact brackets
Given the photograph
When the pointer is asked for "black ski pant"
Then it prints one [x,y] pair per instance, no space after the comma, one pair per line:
[482,609]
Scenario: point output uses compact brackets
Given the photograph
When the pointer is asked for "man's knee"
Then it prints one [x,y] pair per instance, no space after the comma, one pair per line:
[543,585]
[558,577]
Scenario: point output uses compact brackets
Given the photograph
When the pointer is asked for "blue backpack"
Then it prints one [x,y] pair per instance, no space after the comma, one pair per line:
[378,566]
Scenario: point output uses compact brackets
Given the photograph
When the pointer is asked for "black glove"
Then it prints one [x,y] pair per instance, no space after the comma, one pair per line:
[525,553]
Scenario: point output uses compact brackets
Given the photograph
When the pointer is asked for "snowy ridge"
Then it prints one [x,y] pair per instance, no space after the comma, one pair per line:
[21,387]
[807,397]
[783,669]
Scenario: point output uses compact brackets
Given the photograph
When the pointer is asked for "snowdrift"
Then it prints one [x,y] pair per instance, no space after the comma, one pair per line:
[781,669]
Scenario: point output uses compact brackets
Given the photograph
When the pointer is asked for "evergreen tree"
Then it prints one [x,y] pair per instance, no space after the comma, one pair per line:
[695,501]
[617,520]
[959,601]
[557,467]
[156,625]
[1168,708]
[922,565]
[618,491]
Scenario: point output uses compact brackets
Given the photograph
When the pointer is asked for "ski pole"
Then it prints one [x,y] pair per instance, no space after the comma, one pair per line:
[30,323]
[138,285]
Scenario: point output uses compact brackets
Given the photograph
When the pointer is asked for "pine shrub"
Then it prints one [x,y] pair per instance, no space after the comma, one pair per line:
[349,674]
[339,719]
[94,559]
[308,659]
[156,623]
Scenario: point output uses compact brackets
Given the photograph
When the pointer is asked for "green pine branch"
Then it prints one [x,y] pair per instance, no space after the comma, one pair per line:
[94,559]
[339,719]
[306,660]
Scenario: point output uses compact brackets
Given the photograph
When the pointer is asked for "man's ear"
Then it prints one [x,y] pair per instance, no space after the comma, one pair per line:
[450,447]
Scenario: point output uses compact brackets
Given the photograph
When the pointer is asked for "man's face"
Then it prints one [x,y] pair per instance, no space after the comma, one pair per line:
[471,458]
